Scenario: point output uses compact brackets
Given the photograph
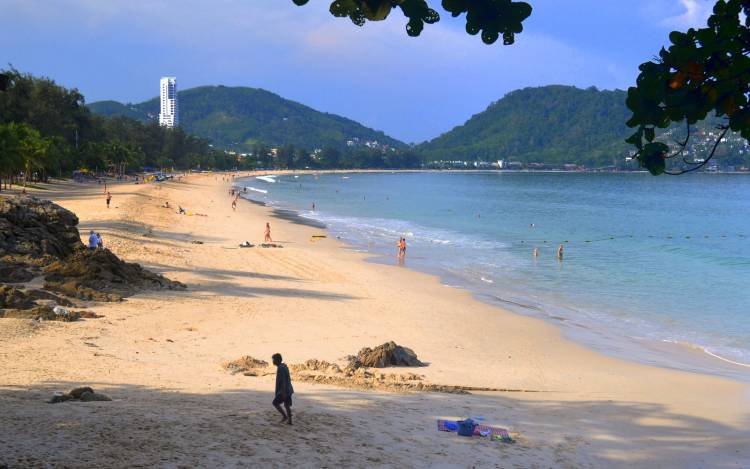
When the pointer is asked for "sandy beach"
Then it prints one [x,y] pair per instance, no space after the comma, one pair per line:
[159,356]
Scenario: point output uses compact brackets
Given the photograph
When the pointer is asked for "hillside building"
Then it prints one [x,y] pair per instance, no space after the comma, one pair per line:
[169,110]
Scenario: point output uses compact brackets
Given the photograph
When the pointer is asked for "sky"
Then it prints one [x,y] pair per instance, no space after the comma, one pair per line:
[413,89]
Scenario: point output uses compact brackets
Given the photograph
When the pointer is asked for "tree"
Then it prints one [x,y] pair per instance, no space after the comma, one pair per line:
[704,72]
[11,159]
[330,157]
[493,18]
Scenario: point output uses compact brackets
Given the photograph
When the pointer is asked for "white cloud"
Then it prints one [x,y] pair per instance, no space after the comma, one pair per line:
[695,15]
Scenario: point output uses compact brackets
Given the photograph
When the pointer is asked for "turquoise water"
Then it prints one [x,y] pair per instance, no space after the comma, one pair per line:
[647,260]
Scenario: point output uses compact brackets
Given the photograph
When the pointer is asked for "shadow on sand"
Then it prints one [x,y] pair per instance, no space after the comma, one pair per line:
[145,426]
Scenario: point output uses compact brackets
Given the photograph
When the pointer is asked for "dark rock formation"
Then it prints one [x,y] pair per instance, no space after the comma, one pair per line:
[101,276]
[388,354]
[43,296]
[38,236]
[83,394]
[37,312]
[12,297]
[36,232]
[13,272]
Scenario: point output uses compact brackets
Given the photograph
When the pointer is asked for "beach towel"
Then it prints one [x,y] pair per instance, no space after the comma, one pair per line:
[494,433]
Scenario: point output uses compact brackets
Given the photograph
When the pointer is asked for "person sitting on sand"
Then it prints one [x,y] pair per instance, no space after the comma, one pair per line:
[93,240]
[267,237]
[284,389]
[166,204]
[180,210]
[99,241]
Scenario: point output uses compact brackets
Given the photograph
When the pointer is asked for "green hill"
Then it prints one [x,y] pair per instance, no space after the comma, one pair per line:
[237,117]
[550,124]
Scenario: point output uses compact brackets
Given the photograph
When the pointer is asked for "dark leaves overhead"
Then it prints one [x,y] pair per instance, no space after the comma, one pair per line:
[491,18]
[704,71]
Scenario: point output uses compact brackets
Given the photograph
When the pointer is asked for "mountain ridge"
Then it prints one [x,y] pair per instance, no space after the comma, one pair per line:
[238,117]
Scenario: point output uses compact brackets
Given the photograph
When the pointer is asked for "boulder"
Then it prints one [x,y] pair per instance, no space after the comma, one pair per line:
[42,295]
[35,232]
[13,272]
[100,275]
[78,392]
[388,354]
[40,236]
[83,394]
[94,397]
[246,364]
[14,298]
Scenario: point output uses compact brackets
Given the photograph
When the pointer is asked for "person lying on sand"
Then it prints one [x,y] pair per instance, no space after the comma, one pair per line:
[284,389]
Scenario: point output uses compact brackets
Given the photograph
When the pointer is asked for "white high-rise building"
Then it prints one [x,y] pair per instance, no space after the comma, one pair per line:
[168,115]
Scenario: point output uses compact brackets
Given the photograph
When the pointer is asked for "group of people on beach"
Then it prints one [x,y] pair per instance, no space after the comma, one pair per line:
[95,241]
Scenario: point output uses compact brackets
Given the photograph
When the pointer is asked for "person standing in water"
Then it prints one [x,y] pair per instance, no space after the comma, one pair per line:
[401,248]
[267,237]
[284,389]
[560,252]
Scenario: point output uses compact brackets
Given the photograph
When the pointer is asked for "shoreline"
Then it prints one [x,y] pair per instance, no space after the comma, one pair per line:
[158,355]
[649,351]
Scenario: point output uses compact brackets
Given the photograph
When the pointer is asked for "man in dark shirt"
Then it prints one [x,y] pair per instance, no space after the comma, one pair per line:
[284,389]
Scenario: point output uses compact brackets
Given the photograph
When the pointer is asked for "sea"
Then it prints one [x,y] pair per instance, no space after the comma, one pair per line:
[654,269]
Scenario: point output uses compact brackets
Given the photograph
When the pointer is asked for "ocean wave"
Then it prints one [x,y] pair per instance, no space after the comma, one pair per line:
[269,178]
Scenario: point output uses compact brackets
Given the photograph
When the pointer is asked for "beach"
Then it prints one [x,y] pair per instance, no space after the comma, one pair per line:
[159,356]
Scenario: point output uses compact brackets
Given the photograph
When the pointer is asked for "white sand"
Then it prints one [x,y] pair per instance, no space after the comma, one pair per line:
[158,356]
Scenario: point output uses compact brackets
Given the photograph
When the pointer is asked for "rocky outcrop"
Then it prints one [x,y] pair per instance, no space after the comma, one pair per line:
[382,356]
[33,234]
[15,298]
[38,237]
[99,275]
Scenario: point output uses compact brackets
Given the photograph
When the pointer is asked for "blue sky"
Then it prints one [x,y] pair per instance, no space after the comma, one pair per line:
[411,88]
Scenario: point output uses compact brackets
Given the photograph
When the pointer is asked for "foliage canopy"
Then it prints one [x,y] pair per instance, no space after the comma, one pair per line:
[491,18]
[704,71]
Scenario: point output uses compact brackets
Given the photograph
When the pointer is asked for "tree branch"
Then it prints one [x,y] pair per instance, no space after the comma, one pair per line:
[705,161]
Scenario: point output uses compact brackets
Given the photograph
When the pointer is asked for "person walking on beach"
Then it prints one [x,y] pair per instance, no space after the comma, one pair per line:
[401,248]
[267,237]
[234,203]
[284,390]
[109,198]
